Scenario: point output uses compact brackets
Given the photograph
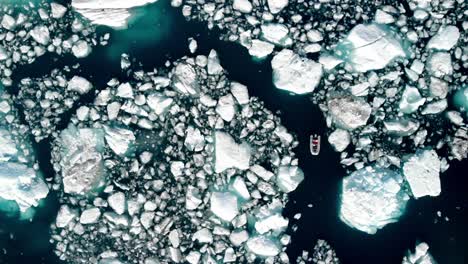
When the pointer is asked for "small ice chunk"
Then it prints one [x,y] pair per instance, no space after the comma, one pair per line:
[289,177]
[125,90]
[382,17]
[226,107]
[79,84]
[185,79]
[372,198]
[21,184]
[243,6]
[411,100]
[422,171]
[40,34]
[213,66]
[371,47]
[445,39]
[90,216]
[348,111]
[58,10]
[274,222]
[440,64]
[192,198]
[120,140]
[401,126]
[420,256]
[438,88]
[8,150]
[203,236]
[329,62]
[65,216]
[240,92]
[260,49]
[435,107]
[339,139]
[294,73]
[81,49]
[158,103]
[224,205]
[194,140]
[117,202]
[229,154]
[276,6]
[277,34]
[193,45]
[263,246]
[238,186]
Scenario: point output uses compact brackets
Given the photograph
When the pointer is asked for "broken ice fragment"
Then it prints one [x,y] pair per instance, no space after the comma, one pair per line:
[79,85]
[184,79]
[65,216]
[21,184]
[260,49]
[435,107]
[194,140]
[289,177]
[371,47]
[40,34]
[445,39]
[90,216]
[401,126]
[348,111]
[263,246]
[422,170]
[238,186]
[226,107]
[158,103]
[243,6]
[277,34]
[8,148]
[440,64]
[240,92]
[339,139]
[276,6]
[117,202]
[81,160]
[213,66]
[120,140]
[224,205]
[411,100]
[372,198]
[295,74]
[81,49]
[229,154]
[420,256]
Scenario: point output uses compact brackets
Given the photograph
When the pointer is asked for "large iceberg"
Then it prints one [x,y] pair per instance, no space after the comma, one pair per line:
[422,171]
[371,47]
[112,13]
[372,198]
[81,160]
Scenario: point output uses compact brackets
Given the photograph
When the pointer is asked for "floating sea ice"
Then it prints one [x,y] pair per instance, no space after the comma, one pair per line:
[411,100]
[348,111]
[277,34]
[184,79]
[263,246]
[224,205]
[422,171]
[243,6]
[40,34]
[229,154]
[294,73]
[440,64]
[21,184]
[339,139]
[445,39]
[371,47]
[289,177]
[372,198]
[79,85]
[8,148]
[65,216]
[276,6]
[120,140]
[260,49]
[401,126]
[420,256]
[112,13]
[81,160]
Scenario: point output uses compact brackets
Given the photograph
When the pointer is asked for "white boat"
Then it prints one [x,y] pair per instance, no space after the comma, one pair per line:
[315,144]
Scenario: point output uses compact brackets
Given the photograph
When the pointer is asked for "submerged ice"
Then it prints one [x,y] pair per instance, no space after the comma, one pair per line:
[372,198]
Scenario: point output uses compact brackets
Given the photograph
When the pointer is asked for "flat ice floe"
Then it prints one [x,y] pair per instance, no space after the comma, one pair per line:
[421,170]
[294,73]
[113,13]
[421,255]
[372,198]
[371,47]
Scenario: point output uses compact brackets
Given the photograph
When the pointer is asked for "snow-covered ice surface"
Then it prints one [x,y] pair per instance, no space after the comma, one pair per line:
[173,158]
[372,198]
[112,13]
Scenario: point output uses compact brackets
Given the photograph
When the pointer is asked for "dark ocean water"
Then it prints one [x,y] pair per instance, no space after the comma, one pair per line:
[160,33]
